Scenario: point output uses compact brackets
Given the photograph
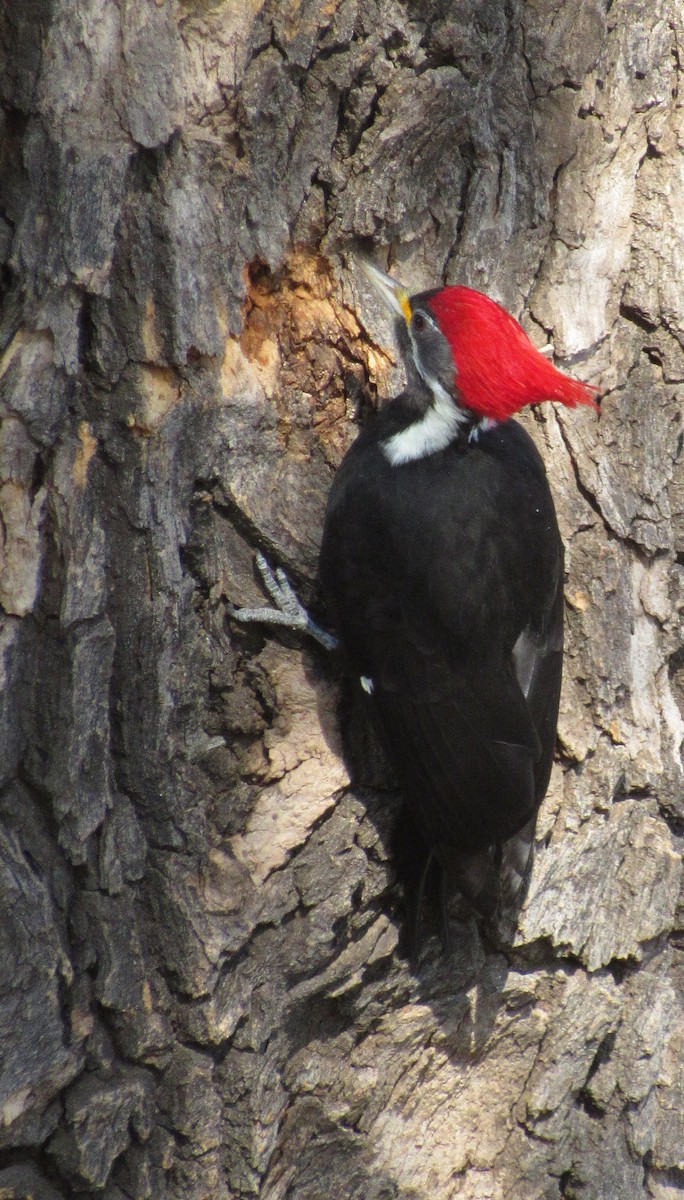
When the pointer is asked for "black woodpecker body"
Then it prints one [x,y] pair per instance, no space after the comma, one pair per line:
[442,566]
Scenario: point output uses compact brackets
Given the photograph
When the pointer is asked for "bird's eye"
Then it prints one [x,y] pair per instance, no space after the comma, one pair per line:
[419,322]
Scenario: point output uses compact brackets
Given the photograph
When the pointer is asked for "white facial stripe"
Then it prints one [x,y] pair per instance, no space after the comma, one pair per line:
[482,426]
[431,432]
[416,356]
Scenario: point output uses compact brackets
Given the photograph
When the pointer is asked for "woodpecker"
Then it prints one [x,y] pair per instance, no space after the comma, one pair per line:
[441,567]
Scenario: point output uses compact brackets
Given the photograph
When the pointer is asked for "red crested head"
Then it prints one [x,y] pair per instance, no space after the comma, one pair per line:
[498,370]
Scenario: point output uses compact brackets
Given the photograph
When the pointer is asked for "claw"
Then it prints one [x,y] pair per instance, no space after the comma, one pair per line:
[288,611]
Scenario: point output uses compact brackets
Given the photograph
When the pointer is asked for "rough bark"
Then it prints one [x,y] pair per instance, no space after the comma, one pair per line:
[201,988]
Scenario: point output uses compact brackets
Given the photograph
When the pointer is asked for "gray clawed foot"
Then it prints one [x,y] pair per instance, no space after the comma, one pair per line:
[288,610]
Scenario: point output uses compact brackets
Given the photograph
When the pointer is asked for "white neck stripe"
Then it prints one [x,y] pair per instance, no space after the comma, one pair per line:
[432,432]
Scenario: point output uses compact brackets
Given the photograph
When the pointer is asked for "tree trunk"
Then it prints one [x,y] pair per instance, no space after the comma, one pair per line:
[203,991]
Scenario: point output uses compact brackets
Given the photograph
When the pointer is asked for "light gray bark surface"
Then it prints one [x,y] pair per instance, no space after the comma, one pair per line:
[201,992]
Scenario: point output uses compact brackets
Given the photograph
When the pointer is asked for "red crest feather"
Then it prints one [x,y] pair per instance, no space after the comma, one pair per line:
[498,370]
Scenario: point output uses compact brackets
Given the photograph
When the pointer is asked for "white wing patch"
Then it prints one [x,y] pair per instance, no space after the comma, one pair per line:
[367,684]
[525,654]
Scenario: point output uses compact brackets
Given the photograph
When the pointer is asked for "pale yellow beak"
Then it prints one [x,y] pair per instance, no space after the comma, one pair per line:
[394,295]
